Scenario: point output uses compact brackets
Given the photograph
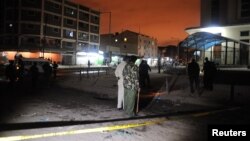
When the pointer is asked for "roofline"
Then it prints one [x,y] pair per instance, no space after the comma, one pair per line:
[226,26]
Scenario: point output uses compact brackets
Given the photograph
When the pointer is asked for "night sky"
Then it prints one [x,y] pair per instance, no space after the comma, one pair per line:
[161,19]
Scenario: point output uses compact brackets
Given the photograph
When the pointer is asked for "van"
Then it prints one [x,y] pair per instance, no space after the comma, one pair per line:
[28,62]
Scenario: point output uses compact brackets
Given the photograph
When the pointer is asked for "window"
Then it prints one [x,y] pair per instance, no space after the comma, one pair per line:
[94,29]
[70,12]
[94,38]
[83,36]
[94,19]
[31,1]
[56,18]
[244,33]
[82,45]
[215,12]
[31,13]
[56,6]
[69,44]
[69,34]
[83,16]
[69,22]
[83,26]
[245,9]
[30,26]
[31,40]
[56,30]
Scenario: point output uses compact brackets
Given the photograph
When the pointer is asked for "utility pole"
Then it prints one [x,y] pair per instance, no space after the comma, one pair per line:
[110,37]
[44,33]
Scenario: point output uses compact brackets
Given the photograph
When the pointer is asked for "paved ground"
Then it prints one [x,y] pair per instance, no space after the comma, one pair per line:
[75,105]
[166,87]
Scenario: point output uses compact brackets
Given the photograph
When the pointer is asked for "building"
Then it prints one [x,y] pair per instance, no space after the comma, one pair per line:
[129,43]
[229,19]
[56,29]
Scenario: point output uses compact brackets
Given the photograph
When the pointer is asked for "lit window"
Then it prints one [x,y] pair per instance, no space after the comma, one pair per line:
[244,33]
[71,34]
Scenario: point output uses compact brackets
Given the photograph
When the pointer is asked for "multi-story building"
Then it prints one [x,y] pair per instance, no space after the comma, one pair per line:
[129,43]
[230,19]
[56,29]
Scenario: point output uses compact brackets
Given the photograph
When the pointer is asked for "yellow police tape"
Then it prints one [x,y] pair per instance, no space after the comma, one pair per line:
[105,129]
[100,129]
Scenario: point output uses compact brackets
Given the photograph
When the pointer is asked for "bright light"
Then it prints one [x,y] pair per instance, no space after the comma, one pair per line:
[125,39]
[213,30]
[40,54]
[94,58]
[100,52]
[71,34]
[81,53]
[116,40]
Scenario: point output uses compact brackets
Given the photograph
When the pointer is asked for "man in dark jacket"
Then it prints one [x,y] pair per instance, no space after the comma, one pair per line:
[193,73]
[209,69]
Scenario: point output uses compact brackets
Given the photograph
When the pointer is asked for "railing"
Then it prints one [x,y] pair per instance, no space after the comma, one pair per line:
[85,70]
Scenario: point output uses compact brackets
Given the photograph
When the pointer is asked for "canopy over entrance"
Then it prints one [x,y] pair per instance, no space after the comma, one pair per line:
[216,47]
[205,40]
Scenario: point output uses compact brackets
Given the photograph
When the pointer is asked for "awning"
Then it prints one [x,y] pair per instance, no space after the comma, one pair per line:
[205,40]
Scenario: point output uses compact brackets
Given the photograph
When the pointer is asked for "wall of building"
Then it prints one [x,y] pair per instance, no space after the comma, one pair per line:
[49,25]
[222,12]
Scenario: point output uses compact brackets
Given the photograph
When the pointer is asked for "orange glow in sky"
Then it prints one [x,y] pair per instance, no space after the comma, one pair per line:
[164,20]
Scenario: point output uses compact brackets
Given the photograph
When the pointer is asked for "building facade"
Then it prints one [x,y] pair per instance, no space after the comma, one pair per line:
[129,43]
[56,29]
[231,19]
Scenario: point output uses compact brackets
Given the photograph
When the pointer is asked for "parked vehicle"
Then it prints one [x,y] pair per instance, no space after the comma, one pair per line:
[40,62]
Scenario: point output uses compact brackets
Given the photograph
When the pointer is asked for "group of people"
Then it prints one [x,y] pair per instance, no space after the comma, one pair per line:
[209,70]
[130,79]
[15,72]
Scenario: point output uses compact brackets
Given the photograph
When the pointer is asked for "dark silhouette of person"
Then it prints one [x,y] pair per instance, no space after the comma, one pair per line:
[34,74]
[209,69]
[159,64]
[47,72]
[89,64]
[55,66]
[20,69]
[144,79]
[11,73]
[193,73]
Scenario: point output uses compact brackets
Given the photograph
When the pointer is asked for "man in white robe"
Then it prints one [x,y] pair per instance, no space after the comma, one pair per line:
[119,75]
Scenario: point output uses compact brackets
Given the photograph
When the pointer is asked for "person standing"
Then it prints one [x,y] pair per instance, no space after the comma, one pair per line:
[143,74]
[159,64]
[119,76]
[34,74]
[89,64]
[193,73]
[209,69]
[131,85]
[55,66]
[47,73]
[11,73]
[20,70]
